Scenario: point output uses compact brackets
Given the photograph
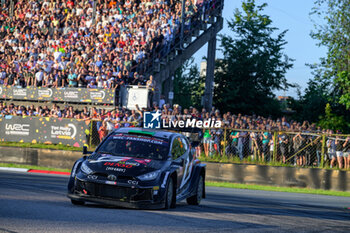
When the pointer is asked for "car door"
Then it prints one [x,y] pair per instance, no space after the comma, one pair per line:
[188,163]
[177,152]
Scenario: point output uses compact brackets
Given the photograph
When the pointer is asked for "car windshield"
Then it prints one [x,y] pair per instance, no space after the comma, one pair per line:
[138,146]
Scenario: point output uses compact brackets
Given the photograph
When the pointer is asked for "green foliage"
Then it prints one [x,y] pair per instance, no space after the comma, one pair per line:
[277,189]
[254,64]
[41,146]
[332,121]
[334,34]
[343,80]
[188,85]
[310,106]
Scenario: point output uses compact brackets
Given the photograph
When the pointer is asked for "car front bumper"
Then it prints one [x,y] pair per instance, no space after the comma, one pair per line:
[129,197]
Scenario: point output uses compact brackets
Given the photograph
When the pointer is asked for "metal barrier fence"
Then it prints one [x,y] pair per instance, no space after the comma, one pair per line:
[293,148]
[100,129]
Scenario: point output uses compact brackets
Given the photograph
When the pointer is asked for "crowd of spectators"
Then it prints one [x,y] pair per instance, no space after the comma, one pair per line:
[245,136]
[59,43]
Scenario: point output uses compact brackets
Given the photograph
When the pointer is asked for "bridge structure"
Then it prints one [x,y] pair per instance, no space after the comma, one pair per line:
[203,30]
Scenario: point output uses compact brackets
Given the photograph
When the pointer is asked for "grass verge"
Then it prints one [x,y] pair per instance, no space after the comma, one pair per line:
[278,189]
[33,167]
[235,159]
[41,146]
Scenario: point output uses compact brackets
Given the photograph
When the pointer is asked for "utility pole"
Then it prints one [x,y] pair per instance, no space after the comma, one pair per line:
[182,23]
[11,9]
[209,80]
[94,13]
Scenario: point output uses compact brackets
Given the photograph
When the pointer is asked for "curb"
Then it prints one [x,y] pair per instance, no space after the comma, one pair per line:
[14,169]
[49,172]
[33,171]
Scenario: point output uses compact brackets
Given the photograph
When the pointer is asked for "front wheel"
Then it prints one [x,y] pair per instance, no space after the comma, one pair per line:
[170,201]
[196,199]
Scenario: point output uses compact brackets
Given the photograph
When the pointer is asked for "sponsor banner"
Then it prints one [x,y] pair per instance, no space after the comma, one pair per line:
[73,95]
[44,130]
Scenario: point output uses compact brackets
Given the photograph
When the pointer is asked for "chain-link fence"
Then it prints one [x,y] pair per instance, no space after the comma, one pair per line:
[100,129]
[291,148]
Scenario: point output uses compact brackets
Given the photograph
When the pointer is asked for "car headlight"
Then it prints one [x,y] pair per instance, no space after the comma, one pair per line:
[149,176]
[84,168]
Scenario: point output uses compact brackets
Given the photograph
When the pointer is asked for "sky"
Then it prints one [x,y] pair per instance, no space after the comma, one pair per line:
[291,15]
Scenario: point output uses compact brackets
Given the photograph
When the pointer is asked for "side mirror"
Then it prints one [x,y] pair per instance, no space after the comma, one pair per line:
[85,151]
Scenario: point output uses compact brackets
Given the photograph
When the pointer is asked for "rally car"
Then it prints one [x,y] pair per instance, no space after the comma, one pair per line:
[139,168]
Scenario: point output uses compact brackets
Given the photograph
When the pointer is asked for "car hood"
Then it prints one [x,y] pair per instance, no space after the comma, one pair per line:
[127,166]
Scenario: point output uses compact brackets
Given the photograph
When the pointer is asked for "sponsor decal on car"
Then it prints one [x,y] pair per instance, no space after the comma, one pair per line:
[133,182]
[140,139]
[117,165]
[116,169]
[119,161]
[110,158]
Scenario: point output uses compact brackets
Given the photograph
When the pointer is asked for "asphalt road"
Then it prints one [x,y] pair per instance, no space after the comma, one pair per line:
[38,203]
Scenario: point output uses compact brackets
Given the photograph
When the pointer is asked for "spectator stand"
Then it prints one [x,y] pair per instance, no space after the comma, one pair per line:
[54,45]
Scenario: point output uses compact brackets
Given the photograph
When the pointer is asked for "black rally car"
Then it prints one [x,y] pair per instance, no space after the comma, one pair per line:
[134,167]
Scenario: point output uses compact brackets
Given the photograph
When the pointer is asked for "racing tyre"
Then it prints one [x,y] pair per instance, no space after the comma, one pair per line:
[196,199]
[75,202]
[169,195]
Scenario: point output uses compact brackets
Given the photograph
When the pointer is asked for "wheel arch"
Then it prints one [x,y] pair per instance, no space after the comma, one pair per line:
[74,170]
[199,170]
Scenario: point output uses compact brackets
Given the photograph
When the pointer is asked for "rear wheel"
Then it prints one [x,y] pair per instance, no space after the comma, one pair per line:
[196,199]
[76,202]
[169,195]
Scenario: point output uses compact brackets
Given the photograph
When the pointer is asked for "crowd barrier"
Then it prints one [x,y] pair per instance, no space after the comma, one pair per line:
[291,148]
[69,95]
[46,130]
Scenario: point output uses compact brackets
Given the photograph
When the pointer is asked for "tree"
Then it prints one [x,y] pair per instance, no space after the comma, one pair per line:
[310,106]
[333,121]
[188,85]
[254,64]
[334,33]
